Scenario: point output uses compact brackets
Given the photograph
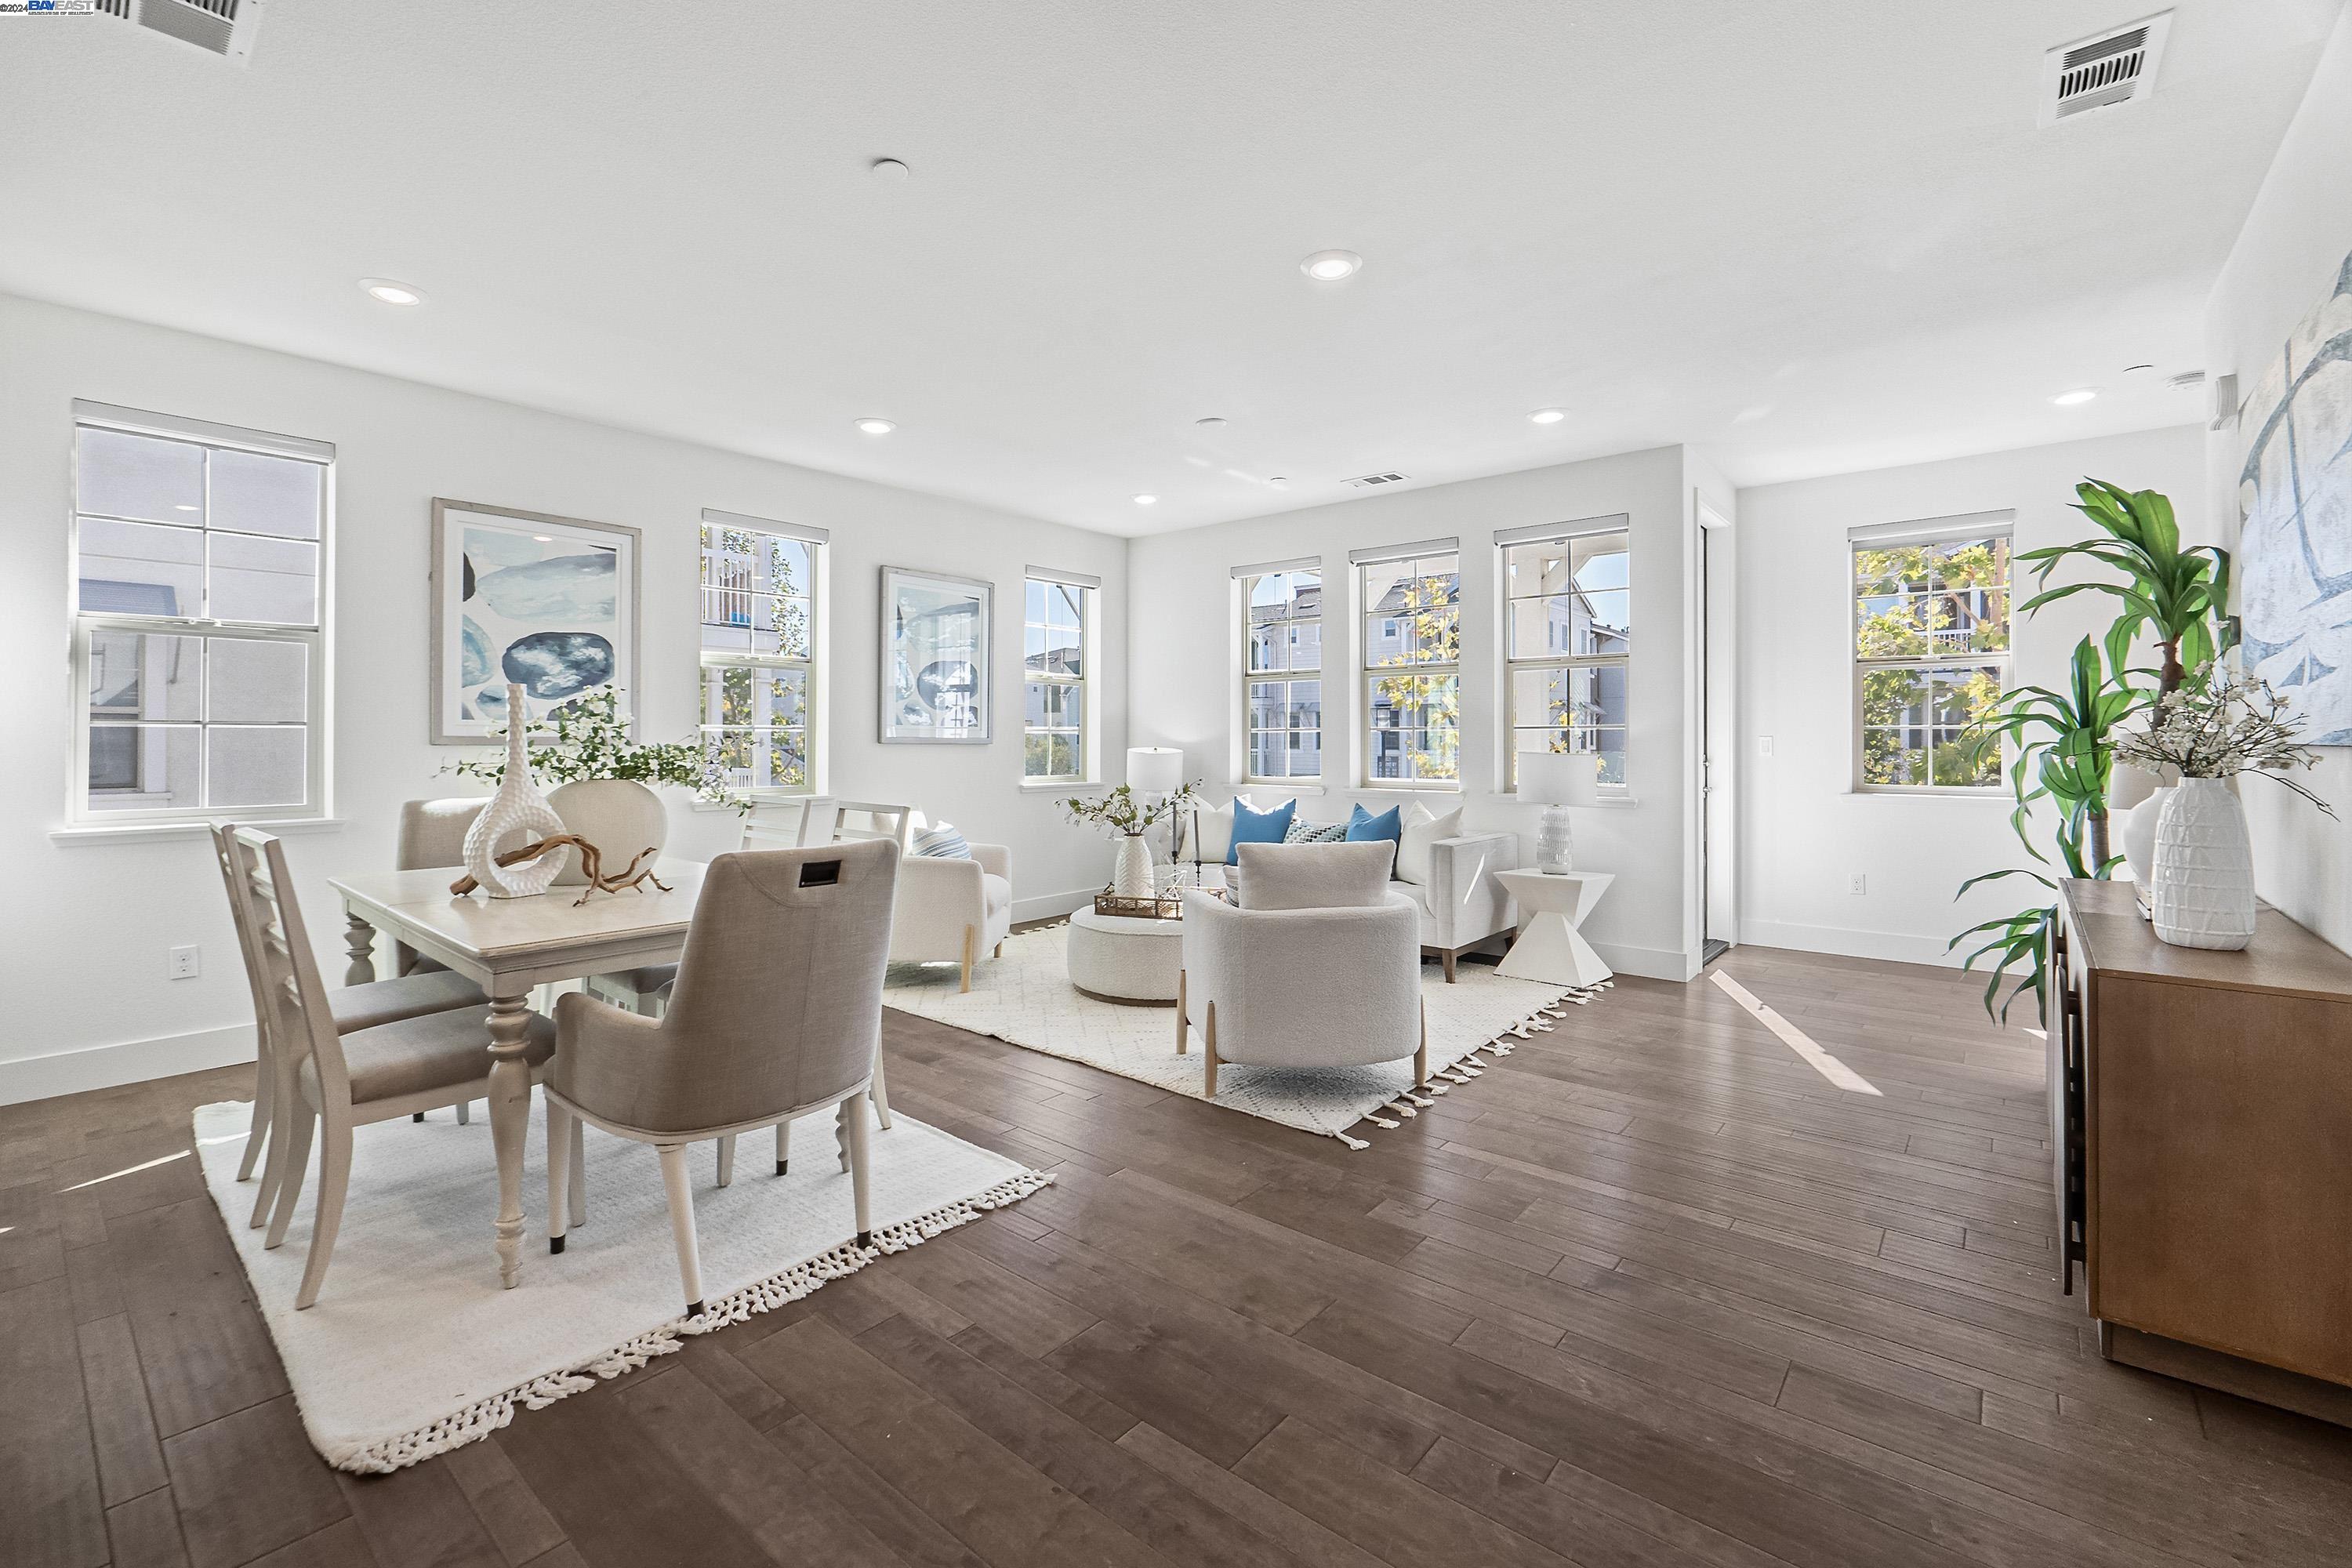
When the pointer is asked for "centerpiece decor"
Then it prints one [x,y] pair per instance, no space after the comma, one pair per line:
[517,808]
[2215,726]
[1129,817]
[603,776]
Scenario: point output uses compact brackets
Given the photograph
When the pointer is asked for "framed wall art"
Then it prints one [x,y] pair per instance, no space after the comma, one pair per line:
[548,602]
[936,664]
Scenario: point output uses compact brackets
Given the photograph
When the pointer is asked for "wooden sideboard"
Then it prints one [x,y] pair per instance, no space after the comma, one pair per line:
[2201,1128]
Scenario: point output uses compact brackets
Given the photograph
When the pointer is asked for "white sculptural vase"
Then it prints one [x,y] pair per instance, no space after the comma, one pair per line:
[1132,876]
[2136,837]
[516,815]
[2201,880]
[621,818]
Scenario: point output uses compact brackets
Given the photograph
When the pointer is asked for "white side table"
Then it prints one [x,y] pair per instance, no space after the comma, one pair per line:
[1549,947]
[1120,959]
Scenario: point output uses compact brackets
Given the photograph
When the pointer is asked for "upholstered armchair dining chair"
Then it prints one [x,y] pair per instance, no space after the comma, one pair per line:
[777,1012]
[353,1007]
[1319,966]
[330,1079]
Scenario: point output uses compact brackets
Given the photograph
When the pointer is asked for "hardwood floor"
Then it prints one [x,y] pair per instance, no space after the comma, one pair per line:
[1652,1292]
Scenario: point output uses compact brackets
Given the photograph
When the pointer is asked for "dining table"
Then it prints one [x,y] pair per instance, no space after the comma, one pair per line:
[508,946]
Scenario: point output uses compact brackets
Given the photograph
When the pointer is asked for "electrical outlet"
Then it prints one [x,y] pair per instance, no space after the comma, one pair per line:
[1857,883]
[1764,745]
[184,964]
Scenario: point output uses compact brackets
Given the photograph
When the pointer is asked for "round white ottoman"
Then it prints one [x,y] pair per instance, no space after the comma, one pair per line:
[1124,959]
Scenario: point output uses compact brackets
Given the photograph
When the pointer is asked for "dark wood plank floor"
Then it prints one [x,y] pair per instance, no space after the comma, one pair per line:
[1651,1292]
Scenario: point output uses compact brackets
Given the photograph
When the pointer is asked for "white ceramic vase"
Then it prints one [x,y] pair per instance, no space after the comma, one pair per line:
[2136,836]
[519,814]
[1132,876]
[621,818]
[2202,884]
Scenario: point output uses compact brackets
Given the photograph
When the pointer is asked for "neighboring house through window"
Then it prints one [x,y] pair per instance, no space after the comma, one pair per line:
[200,589]
[1411,597]
[760,637]
[1056,667]
[1567,638]
[1282,665]
[1930,649]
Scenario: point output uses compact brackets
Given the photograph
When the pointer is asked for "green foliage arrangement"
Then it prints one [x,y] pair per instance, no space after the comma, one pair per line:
[589,739]
[2180,594]
[1123,812]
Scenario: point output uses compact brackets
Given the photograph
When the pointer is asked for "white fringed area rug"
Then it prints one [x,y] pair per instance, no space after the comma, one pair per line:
[1026,998]
[414,1349]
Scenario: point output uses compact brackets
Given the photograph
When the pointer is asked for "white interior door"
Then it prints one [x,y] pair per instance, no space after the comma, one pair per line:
[1719,684]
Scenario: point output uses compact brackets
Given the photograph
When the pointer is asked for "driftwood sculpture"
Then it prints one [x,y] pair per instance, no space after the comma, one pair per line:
[590,862]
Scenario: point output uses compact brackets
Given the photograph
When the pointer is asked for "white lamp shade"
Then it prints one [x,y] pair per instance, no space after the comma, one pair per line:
[1155,770]
[1559,778]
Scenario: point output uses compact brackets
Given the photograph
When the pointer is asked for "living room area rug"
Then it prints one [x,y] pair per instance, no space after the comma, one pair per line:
[414,1348]
[1026,998]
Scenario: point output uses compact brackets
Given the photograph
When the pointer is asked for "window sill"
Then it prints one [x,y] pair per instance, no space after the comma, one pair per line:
[1606,803]
[1060,787]
[164,832]
[1897,792]
[1392,787]
[1295,786]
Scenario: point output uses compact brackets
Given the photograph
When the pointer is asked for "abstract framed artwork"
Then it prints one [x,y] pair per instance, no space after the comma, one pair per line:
[936,664]
[2295,498]
[548,602]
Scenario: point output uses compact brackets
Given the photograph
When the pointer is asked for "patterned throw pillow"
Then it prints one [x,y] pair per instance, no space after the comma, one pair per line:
[940,841]
[1303,832]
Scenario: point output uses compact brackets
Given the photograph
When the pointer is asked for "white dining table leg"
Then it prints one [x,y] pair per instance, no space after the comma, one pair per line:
[509,1119]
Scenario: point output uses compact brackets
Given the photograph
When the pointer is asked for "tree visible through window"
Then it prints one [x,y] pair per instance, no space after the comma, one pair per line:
[1412,669]
[1931,657]
[1567,643]
[758,657]
[1055,656]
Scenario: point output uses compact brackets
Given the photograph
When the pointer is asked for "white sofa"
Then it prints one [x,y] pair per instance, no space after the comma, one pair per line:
[950,911]
[1461,901]
[1303,986]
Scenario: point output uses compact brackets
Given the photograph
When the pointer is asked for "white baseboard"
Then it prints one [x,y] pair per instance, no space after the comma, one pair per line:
[1649,962]
[1900,947]
[1049,905]
[132,1061]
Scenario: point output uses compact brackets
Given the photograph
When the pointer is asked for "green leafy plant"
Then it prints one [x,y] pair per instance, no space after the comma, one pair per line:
[1126,813]
[589,739]
[2021,939]
[2179,594]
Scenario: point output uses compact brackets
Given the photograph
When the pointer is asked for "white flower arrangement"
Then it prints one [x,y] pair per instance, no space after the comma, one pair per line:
[2218,724]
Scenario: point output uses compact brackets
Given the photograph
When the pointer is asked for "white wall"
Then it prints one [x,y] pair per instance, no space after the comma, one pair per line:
[2286,257]
[1184,661]
[87,926]
[1805,832]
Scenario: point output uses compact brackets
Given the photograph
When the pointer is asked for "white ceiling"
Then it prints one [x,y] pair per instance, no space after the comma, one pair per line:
[1808,236]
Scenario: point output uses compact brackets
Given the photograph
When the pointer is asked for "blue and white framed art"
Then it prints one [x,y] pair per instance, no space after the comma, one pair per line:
[936,662]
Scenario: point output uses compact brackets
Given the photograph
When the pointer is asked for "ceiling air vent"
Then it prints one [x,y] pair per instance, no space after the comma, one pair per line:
[1367,482]
[2101,71]
[224,26]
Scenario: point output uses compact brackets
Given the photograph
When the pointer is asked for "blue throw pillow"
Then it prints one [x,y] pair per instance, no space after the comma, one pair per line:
[1389,824]
[1258,827]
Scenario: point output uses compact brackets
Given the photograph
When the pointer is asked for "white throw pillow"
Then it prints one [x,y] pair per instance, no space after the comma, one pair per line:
[1423,828]
[1315,876]
[1216,831]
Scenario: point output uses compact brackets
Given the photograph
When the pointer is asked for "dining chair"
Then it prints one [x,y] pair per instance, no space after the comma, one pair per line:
[768,824]
[354,1007]
[432,833]
[330,1082]
[777,1012]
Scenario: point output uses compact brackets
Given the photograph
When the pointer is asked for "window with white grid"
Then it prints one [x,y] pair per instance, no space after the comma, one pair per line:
[1056,646]
[1568,640]
[1412,670]
[1930,654]
[1282,680]
[760,642]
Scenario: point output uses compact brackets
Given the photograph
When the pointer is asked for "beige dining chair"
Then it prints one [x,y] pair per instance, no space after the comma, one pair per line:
[330,1082]
[354,1007]
[777,1013]
[432,833]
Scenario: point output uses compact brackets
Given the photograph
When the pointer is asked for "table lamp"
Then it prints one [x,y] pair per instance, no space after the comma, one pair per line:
[1157,770]
[1559,780]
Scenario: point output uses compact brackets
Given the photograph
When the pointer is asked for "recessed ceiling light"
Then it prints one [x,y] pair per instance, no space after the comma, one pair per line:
[875,427]
[183,506]
[1331,265]
[1278,478]
[1546,417]
[388,291]
[2081,395]
[1147,500]
[888,169]
[542,539]
[2137,369]
[1212,423]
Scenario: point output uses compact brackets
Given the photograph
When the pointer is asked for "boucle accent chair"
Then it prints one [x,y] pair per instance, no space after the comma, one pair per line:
[1321,968]
[949,910]
[777,1011]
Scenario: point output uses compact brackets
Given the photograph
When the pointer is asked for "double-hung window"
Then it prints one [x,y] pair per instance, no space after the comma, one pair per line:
[760,604]
[1057,663]
[1567,635]
[1282,666]
[1930,650]
[1411,600]
[200,574]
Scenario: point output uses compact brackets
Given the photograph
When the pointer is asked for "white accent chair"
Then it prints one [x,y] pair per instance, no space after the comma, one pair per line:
[1330,975]
[949,910]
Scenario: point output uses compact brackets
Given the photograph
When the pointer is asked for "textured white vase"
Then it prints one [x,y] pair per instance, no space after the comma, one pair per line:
[1132,876]
[519,809]
[2135,835]
[2201,885]
[621,818]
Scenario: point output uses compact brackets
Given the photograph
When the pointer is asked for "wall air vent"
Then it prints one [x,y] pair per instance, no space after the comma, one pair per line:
[1369,481]
[2103,71]
[225,28]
